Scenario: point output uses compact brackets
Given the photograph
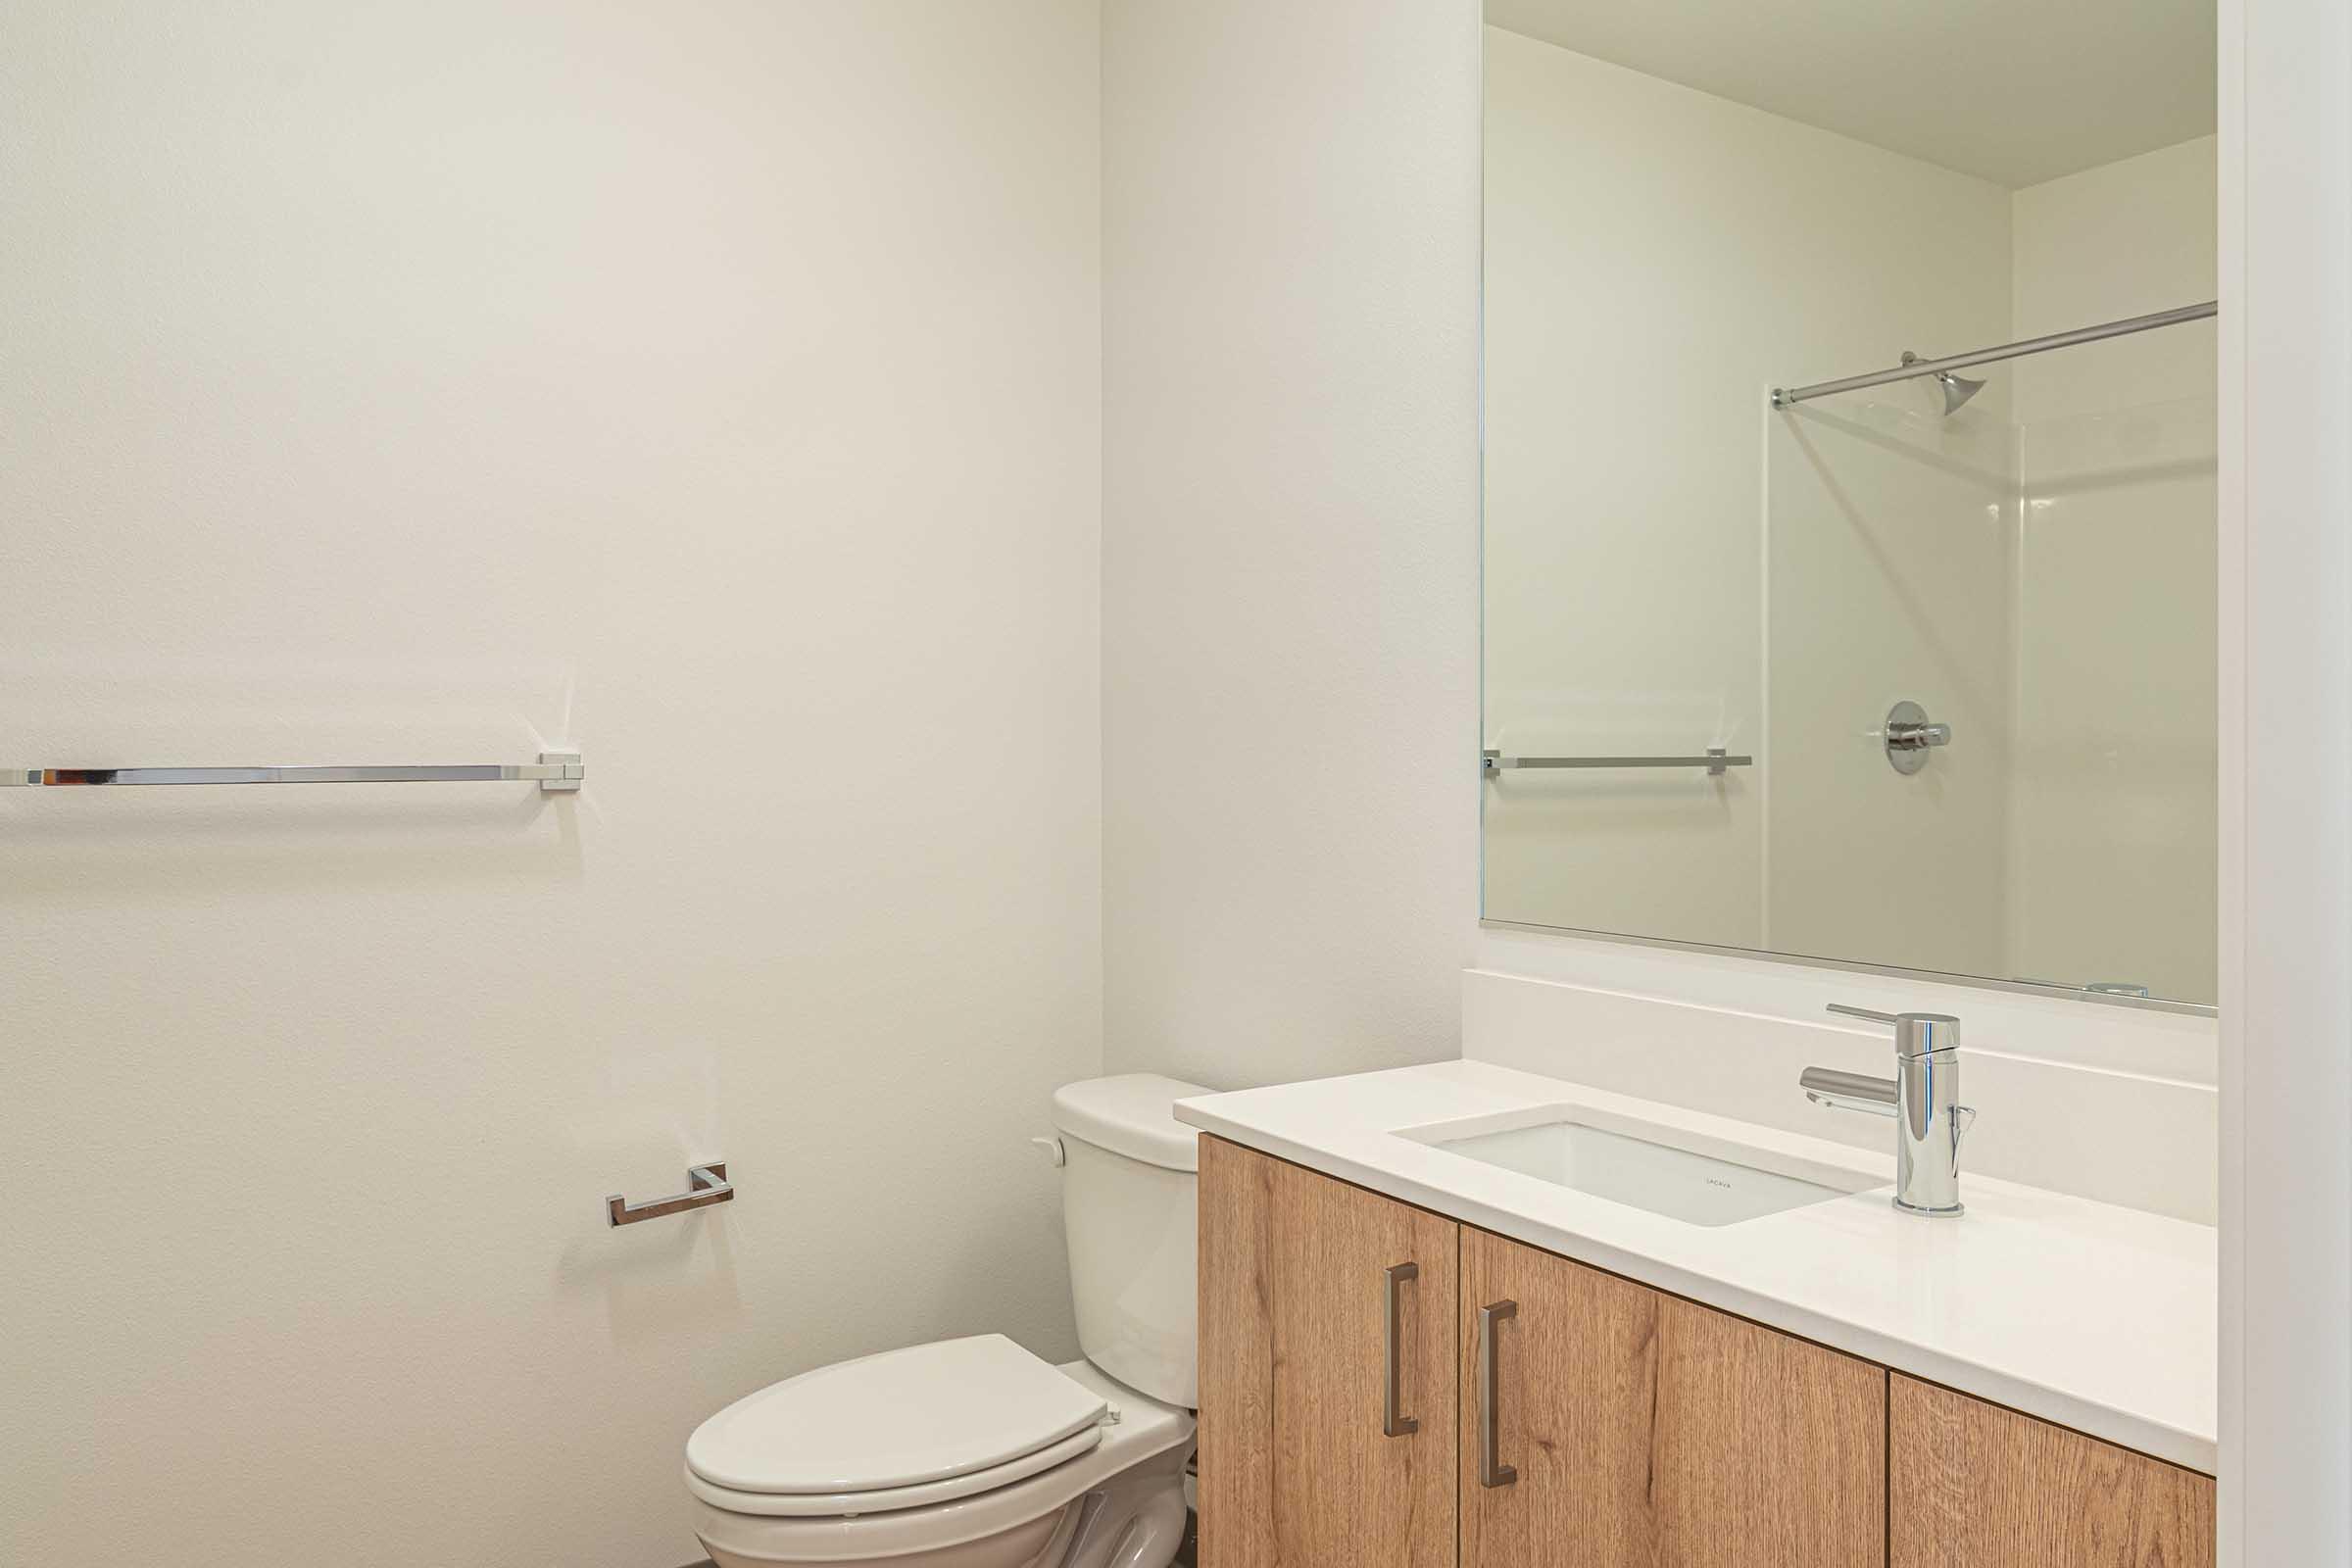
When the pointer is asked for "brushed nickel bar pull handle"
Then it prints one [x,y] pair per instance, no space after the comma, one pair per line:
[1492,1471]
[706,1185]
[1393,1422]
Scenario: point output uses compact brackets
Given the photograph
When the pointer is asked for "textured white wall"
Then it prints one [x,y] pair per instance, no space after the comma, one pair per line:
[2286,846]
[713,385]
[1290,532]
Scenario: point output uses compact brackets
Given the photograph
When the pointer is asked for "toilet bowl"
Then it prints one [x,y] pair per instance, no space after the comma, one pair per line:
[1107,1497]
[973,1453]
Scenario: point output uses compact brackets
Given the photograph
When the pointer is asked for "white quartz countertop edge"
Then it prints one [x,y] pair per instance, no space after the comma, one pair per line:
[2092,1316]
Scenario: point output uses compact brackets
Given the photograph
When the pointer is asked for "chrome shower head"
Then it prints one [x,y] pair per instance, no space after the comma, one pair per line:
[1958,389]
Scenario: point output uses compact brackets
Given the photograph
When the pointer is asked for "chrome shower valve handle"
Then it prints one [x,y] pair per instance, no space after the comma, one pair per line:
[1909,736]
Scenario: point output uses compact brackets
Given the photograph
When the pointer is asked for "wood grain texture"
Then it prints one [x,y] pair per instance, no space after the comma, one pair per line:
[1576,1379]
[1771,1449]
[1295,1471]
[1977,1486]
[1652,1432]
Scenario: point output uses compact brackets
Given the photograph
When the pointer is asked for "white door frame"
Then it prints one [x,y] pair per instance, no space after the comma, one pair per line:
[2286,580]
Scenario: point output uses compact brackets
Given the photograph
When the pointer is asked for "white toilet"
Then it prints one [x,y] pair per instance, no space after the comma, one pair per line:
[972,1452]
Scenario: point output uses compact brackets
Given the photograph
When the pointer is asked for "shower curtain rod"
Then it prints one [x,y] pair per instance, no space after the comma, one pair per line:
[1783,396]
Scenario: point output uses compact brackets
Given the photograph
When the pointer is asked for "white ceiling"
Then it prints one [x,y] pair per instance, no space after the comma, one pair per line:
[2014,91]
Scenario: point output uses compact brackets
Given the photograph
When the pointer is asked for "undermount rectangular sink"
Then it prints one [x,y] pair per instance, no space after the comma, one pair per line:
[1684,1176]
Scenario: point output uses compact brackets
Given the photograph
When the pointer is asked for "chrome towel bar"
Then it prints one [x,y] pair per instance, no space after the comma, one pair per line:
[555,773]
[1716,760]
[706,1184]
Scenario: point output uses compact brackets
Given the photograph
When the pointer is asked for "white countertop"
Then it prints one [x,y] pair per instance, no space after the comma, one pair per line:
[2096,1317]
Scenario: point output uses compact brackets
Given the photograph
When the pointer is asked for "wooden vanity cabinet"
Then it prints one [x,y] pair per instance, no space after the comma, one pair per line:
[1344,1410]
[1644,1429]
[1298,1469]
[1977,1486]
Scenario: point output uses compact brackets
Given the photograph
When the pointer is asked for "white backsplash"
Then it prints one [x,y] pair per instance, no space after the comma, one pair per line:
[2092,1129]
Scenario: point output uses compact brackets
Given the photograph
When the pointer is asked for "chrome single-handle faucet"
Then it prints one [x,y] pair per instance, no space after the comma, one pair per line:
[1923,1097]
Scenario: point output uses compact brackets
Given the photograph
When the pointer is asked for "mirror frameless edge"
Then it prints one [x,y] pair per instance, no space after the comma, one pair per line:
[1991,747]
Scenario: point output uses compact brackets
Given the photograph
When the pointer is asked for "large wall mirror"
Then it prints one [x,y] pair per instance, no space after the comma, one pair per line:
[1794,646]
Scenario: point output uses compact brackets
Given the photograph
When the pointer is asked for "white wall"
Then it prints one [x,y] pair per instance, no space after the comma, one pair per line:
[1290,532]
[710,385]
[2286,573]
[2113,828]
[1655,258]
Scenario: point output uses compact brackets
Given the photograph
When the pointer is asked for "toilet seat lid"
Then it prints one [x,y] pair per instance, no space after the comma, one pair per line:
[904,1418]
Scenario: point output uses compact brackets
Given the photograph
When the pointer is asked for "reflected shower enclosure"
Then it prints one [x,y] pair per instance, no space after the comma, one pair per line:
[1849,579]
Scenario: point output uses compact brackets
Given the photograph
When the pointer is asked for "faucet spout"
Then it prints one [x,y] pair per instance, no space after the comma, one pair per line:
[1923,1098]
[1851,1090]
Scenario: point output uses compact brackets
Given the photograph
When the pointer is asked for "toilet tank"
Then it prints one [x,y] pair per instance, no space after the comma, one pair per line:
[1127,1206]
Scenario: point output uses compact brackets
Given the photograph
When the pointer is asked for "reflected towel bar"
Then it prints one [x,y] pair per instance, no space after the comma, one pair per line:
[1715,760]
[556,773]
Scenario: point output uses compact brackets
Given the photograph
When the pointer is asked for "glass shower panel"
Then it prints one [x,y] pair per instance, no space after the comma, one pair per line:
[2044,589]
[2114,812]
[1888,562]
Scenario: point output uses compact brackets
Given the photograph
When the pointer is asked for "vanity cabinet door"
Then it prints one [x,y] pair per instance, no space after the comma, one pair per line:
[1977,1486]
[1299,1466]
[1643,1428]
